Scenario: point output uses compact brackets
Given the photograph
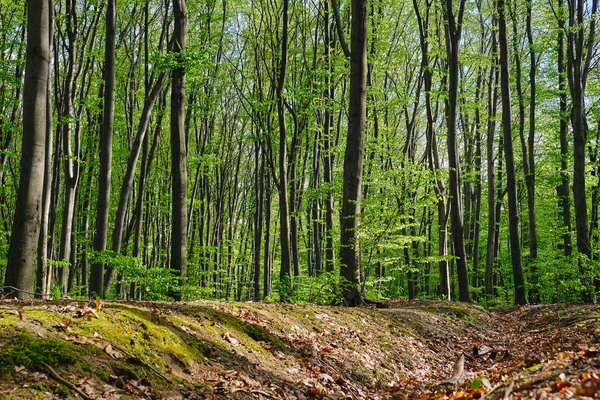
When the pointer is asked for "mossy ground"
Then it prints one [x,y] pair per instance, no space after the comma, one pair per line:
[232,350]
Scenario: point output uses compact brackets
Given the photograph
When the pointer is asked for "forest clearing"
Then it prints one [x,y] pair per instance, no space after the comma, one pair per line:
[258,350]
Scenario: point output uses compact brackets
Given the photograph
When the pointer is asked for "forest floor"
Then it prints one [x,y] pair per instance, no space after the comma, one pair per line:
[223,350]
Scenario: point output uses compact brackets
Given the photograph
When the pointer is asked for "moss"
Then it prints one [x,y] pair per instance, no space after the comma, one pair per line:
[31,352]
[61,391]
[102,374]
[254,331]
[145,334]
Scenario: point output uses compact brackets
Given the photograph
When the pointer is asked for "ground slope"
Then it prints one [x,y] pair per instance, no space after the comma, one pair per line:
[219,350]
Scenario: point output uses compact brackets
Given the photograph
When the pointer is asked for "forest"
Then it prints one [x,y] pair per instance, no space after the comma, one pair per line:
[325,151]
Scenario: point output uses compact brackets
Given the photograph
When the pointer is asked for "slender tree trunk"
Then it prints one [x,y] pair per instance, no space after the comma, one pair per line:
[285,273]
[267,285]
[534,295]
[354,157]
[491,184]
[453,32]
[179,150]
[71,166]
[511,179]
[127,186]
[327,140]
[106,139]
[259,190]
[44,273]
[433,154]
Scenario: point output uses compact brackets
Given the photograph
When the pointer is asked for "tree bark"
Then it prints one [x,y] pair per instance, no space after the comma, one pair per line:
[106,139]
[511,179]
[71,166]
[22,252]
[179,150]
[579,54]
[534,295]
[453,33]
[327,148]
[127,186]
[285,272]
[491,184]
[354,157]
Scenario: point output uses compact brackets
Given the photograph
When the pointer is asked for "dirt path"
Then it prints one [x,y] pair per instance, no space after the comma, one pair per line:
[542,352]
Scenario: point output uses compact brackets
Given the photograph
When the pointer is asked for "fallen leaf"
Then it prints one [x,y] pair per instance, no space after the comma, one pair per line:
[88,313]
[229,338]
[65,324]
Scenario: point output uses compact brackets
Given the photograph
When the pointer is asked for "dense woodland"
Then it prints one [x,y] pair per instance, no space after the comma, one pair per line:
[321,150]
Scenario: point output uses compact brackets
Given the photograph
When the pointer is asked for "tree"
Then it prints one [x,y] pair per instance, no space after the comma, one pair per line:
[564,197]
[106,141]
[354,156]
[179,148]
[19,278]
[491,128]
[580,50]
[453,29]
[511,178]
[433,158]
[284,217]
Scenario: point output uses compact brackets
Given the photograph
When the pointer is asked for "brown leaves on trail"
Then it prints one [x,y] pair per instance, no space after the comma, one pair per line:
[232,381]
[534,352]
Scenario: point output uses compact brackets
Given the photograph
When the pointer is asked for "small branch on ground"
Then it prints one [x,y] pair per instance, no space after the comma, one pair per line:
[62,380]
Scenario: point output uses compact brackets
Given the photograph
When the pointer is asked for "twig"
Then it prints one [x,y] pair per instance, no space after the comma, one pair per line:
[62,380]
[14,289]
[508,390]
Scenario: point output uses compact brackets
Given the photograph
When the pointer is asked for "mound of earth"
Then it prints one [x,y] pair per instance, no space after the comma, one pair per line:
[222,350]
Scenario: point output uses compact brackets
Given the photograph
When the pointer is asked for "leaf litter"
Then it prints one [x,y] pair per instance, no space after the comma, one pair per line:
[407,350]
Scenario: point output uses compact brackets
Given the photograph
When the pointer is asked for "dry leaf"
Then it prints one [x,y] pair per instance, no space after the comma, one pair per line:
[88,313]
[229,338]
[65,324]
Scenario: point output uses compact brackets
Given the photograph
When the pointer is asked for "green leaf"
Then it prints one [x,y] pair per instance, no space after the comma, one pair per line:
[477,383]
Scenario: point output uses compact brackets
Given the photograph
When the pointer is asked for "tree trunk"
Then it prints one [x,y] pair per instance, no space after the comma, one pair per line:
[563,189]
[179,151]
[267,270]
[71,166]
[579,54]
[44,272]
[327,140]
[491,185]
[259,190]
[453,31]
[285,273]
[127,186]
[534,295]
[22,252]
[354,157]
[106,139]
[511,179]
